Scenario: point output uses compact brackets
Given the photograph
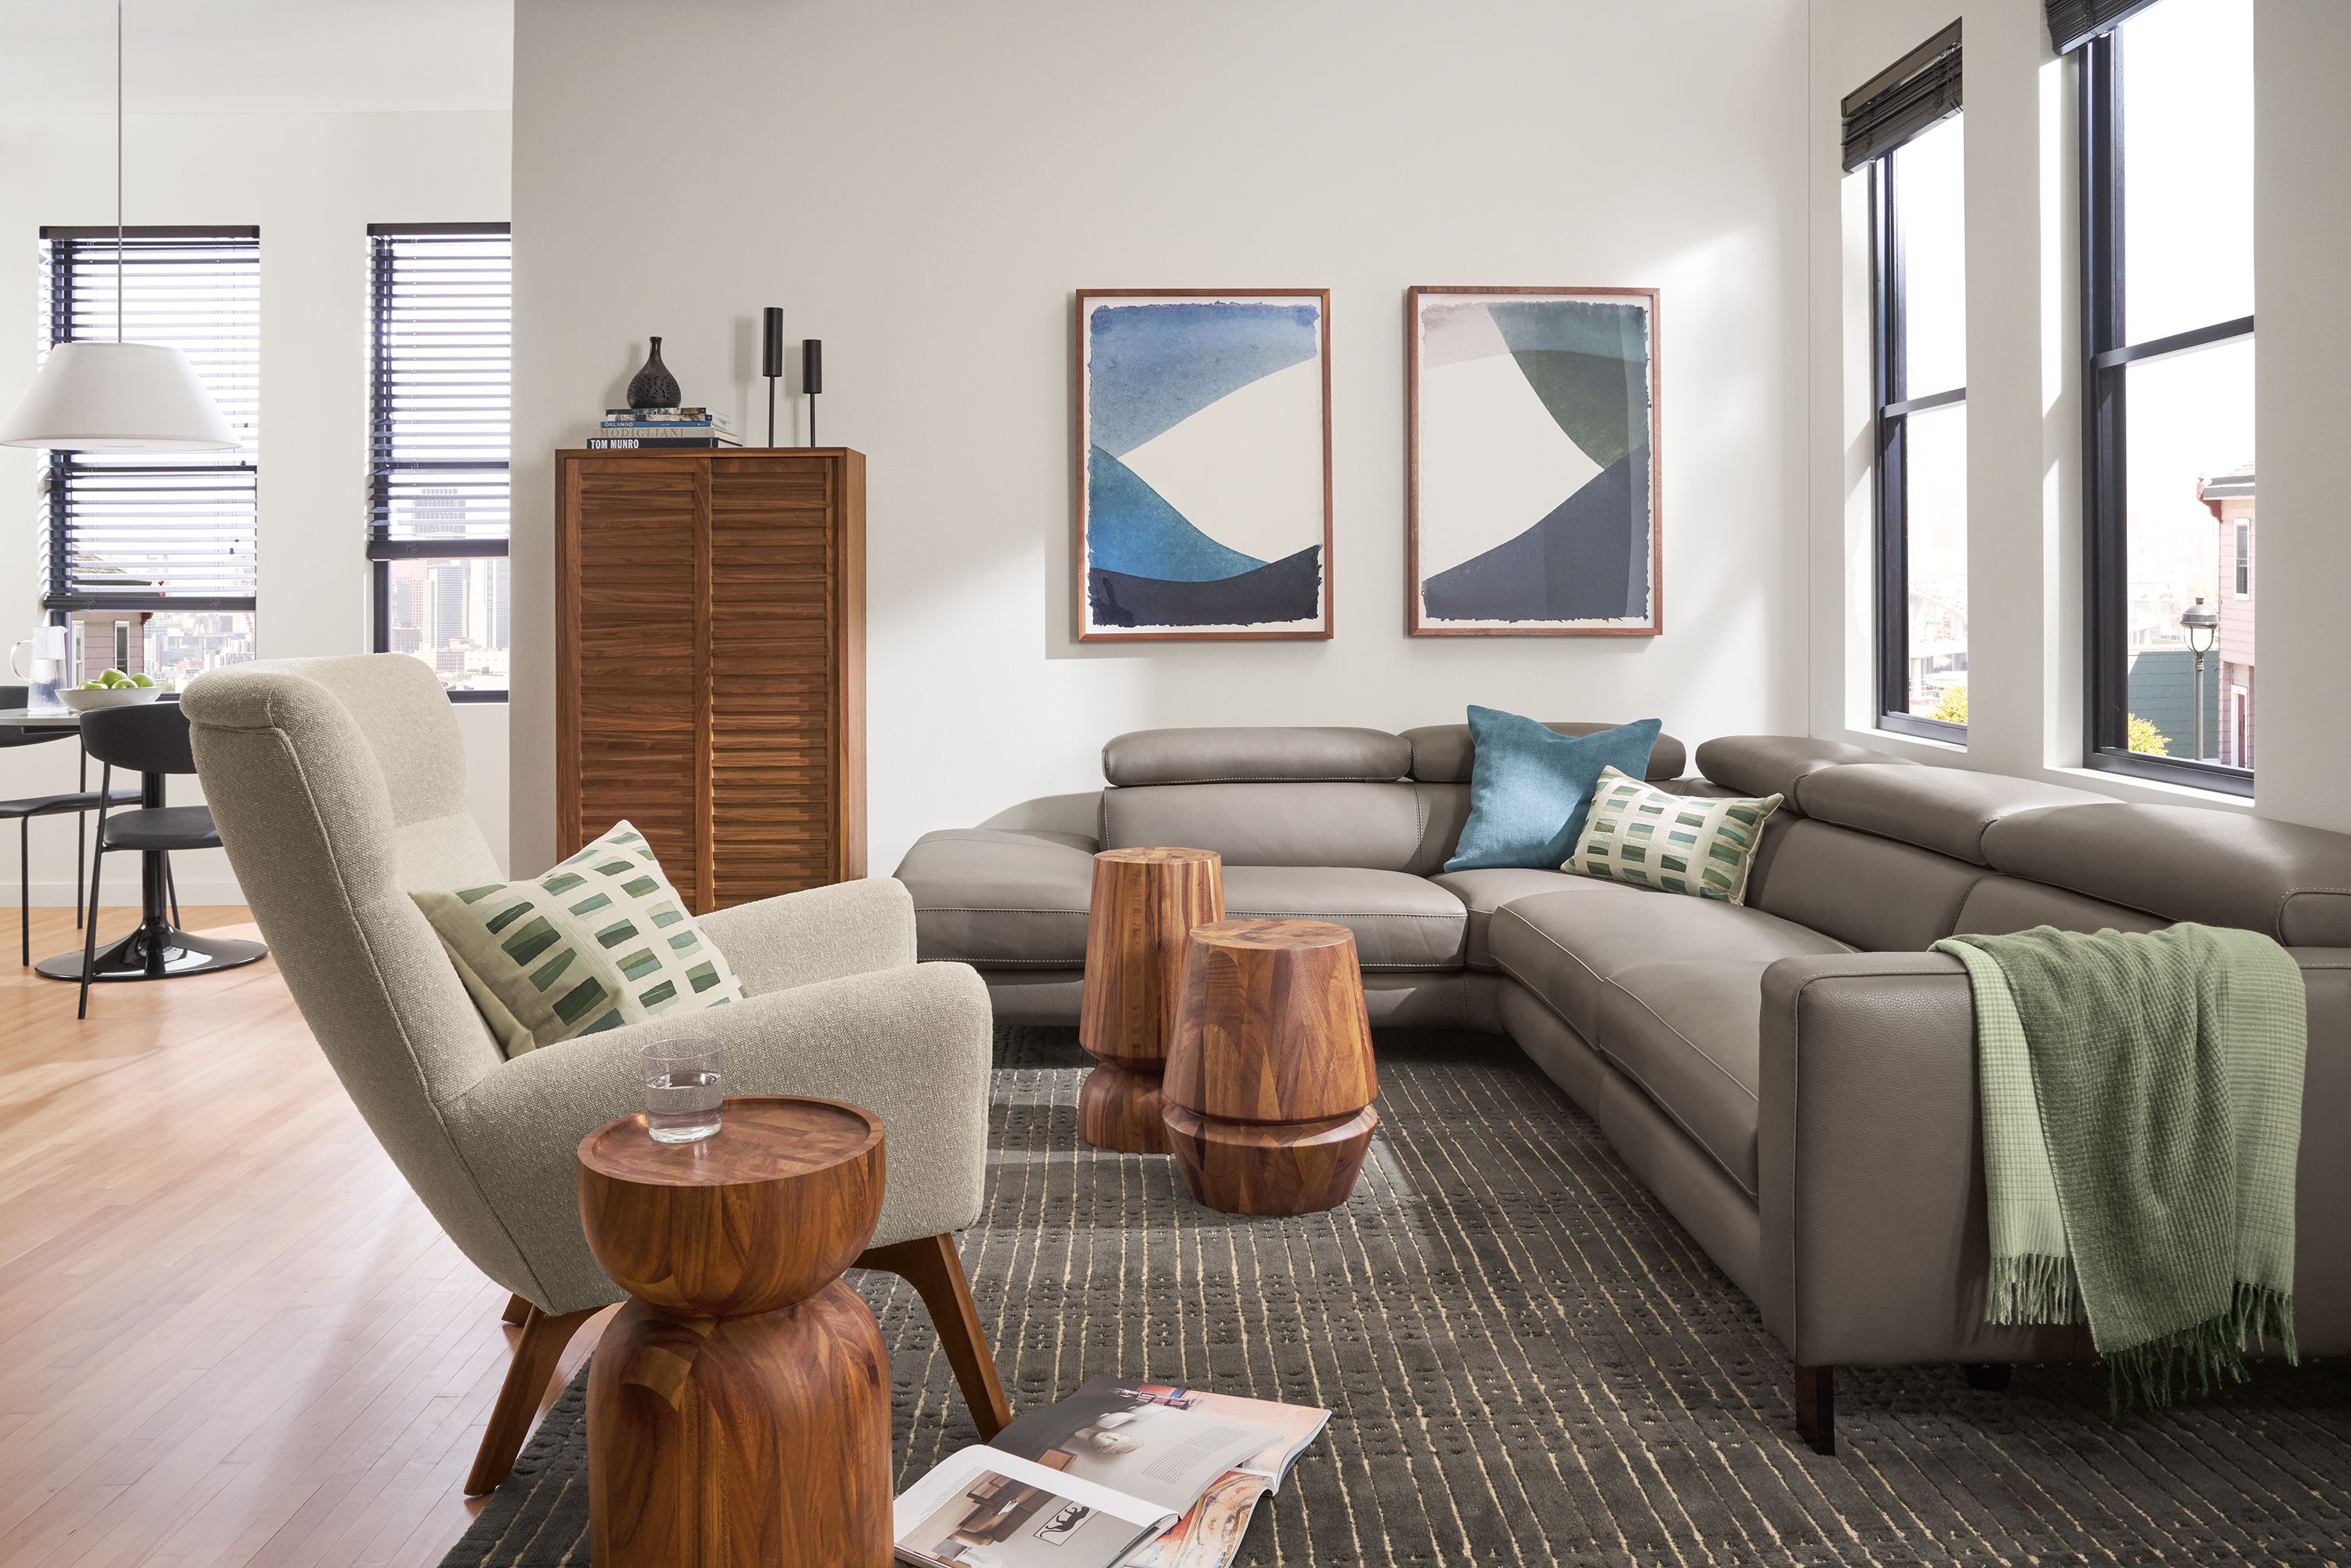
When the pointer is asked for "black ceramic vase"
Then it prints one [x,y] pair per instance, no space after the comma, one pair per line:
[653,387]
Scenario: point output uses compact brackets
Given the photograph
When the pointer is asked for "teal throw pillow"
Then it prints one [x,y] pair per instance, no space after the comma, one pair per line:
[1530,788]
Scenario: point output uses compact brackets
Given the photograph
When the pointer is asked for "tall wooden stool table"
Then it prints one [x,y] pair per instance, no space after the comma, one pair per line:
[739,1407]
[1270,1079]
[1144,902]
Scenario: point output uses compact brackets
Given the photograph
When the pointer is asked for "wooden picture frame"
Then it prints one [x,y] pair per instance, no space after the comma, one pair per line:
[1240,530]
[1515,557]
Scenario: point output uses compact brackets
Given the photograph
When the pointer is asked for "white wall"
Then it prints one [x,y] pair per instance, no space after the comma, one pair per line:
[2024,420]
[923,184]
[313,182]
[2302,234]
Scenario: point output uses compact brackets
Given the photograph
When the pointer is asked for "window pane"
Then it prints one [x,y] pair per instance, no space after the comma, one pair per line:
[1936,472]
[456,616]
[2186,95]
[175,645]
[1930,220]
[2188,455]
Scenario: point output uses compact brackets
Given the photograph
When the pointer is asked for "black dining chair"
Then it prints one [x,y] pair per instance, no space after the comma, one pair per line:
[71,802]
[148,737]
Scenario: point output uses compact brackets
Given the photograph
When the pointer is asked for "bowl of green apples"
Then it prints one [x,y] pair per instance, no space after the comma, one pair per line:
[111,689]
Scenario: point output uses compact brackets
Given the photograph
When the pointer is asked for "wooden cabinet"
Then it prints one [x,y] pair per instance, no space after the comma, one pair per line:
[710,659]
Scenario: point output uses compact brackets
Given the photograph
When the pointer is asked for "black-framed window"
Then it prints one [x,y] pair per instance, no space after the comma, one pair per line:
[440,399]
[2167,148]
[150,555]
[1907,132]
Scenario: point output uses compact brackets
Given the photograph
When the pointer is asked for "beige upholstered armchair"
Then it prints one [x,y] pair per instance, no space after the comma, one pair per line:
[339,786]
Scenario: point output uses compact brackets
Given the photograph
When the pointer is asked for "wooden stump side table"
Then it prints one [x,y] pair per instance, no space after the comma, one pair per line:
[1144,902]
[738,1406]
[1270,1079]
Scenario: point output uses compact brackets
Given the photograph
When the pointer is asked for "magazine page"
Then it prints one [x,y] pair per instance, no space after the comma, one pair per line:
[983,1509]
[1210,1535]
[1115,1435]
[1296,1425]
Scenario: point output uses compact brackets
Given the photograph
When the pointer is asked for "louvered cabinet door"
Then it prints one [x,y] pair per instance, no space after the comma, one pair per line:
[744,756]
[628,568]
[772,676]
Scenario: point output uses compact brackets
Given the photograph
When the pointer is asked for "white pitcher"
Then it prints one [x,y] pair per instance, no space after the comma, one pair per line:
[39,661]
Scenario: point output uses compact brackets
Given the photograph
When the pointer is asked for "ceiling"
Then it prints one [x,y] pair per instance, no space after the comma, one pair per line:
[280,57]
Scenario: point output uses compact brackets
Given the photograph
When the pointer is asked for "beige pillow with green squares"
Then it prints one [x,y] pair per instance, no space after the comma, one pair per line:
[1676,843]
[601,941]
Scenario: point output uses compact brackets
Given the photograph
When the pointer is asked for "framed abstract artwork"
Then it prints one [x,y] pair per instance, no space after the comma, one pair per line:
[1533,430]
[1203,421]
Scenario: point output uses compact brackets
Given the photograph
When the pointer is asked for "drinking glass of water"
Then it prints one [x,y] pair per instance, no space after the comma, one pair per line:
[682,1090]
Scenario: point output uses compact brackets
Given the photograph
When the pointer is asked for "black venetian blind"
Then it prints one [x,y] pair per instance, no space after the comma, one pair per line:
[158,530]
[1902,101]
[440,388]
[2073,22]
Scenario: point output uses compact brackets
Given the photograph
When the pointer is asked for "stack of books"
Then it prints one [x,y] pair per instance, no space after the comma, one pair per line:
[673,427]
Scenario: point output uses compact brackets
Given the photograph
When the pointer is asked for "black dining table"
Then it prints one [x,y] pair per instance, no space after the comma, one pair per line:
[157,949]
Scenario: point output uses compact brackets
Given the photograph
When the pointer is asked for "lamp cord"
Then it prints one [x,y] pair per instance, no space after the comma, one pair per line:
[118,171]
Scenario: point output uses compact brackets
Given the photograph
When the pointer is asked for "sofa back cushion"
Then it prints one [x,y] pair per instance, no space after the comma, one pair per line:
[1322,822]
[1873,892]
[1946,809]
[1233,754]
[1998,904]
[1771,764]
[2185,862]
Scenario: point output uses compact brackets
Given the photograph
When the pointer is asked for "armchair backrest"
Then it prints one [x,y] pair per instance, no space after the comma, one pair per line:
[338,786]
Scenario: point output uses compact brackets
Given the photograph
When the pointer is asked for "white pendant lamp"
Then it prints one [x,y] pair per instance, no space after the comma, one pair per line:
[117,397]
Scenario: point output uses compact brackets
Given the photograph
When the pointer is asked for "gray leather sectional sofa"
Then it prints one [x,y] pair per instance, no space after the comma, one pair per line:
[1793,1079]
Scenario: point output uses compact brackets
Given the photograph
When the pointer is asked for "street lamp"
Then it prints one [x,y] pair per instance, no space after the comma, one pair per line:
[2202,625]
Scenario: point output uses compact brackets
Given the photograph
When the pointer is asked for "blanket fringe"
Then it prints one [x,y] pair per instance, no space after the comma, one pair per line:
[2152,1375]
[2033,1287]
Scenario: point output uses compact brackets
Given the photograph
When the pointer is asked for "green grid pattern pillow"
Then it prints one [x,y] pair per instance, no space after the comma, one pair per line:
[1679,843]
[601,941]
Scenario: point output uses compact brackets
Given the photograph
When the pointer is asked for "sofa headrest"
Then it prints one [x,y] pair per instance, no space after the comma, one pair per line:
[1771,764]
[2185,862]
[1441,753]
[1261,754]
[1946,809]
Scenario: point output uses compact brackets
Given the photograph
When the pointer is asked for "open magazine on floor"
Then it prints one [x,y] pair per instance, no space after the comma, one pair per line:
[1153,1475]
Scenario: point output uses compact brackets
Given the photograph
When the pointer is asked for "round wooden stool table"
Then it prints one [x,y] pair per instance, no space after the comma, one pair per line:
[1144,902]
[1270,1079]
[739,1407]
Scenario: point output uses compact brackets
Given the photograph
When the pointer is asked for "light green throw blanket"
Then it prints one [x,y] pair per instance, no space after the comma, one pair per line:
[2142,1105]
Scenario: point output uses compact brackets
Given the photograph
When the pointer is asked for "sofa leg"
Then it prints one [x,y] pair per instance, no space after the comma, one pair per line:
[1817,1407]
[536,1354]
[517,1312]
[1991,1376]
[933,1266]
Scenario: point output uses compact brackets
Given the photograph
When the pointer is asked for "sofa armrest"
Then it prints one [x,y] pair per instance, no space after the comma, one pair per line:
[1870,1166]
[819,934]
[913,1045]
[1870,1159]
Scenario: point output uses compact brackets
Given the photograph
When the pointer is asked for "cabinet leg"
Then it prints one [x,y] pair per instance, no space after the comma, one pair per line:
[1991,1376]
[1817,1407]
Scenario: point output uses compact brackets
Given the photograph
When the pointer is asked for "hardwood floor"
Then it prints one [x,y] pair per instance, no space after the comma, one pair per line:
[228,1332]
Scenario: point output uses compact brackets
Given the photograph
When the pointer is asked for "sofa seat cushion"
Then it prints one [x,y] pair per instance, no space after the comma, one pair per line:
[1484,892]
[999,897]
[1566,946]
[1400,921]
[1687,1034]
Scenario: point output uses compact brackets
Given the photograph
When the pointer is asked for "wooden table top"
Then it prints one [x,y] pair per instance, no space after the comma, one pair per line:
[761,1138]
[1272,932]
[1157,854]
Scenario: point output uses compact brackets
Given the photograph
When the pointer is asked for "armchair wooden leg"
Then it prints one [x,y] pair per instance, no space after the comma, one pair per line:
[544,1335]
[517,1312]
[934,1266]
[1817,1407]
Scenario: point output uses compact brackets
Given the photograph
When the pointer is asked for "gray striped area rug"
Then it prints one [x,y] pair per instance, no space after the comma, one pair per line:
[1530,1363]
